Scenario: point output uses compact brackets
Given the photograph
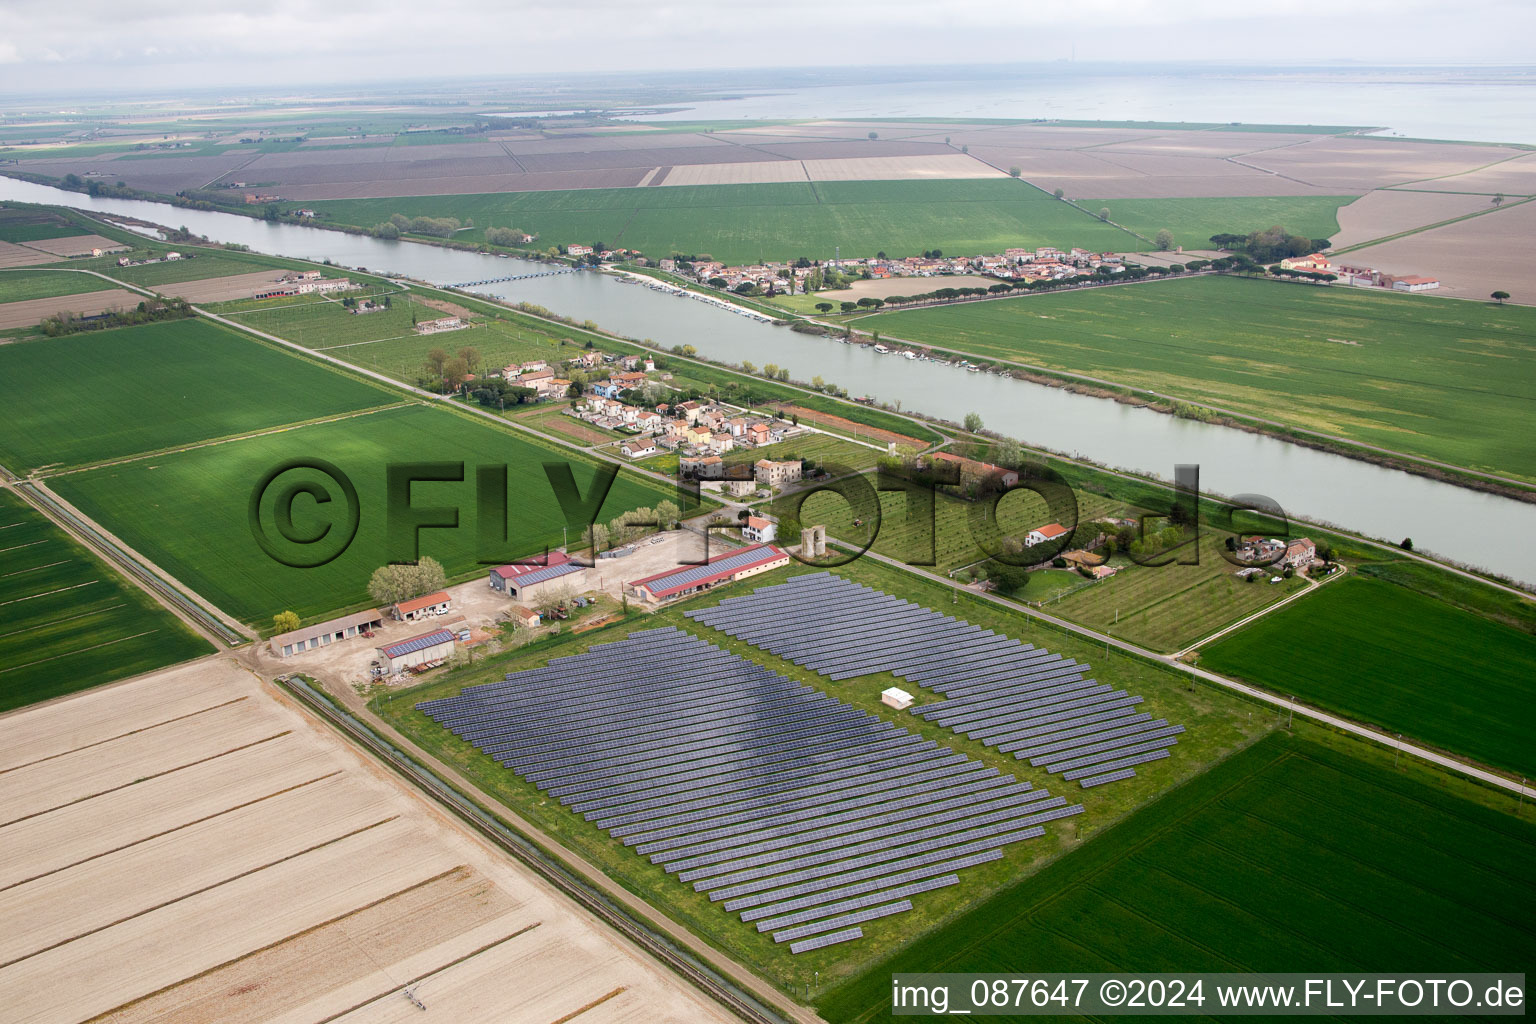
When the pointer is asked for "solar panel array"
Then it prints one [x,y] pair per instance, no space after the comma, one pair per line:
[783,804]
[1011,695]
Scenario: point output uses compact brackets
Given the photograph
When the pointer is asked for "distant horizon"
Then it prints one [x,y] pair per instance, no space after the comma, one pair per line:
[398,89]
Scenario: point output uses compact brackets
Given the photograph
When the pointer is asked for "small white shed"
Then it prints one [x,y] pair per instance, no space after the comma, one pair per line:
[896,698]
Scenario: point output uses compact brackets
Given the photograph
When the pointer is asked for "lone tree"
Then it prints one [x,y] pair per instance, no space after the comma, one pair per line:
[1406,544]
[1499,297]
[1103,213]
[391,584]
[1498,200]
[1014,172]
[285,622]
[874,135]
[973,422]
[1060,193]
[1164,239]
[823,307]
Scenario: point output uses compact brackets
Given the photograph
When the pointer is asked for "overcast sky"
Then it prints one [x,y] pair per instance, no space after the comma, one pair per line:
[81,45]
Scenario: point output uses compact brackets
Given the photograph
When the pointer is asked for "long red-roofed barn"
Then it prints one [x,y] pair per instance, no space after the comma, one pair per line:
[723,568]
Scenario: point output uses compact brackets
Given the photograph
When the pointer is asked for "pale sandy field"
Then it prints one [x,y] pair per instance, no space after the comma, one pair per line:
[221,289]
[1102,175]
[187,847]
[727,174]
[1471,258]
[76,245]
[13,255]
[1216,145]
[30,312]
[1515,177]
[872,168]
[1382,213]
[900,168]
[1360,163]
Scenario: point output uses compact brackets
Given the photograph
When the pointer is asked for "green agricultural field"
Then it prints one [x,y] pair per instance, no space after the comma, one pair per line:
[327,324]
[898,534]
[403,355]
[70,622]
[188,511]
[1387,655]
[106,394]
[737,223]
[190,268]
[1194,221]
[1289,856]
[1217,725]
[824,449]
[20,285]
[1167,608]
[19,230]
[1447,380]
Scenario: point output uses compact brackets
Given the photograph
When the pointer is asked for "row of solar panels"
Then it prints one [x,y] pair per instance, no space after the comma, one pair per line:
[777,800]
[1023,700]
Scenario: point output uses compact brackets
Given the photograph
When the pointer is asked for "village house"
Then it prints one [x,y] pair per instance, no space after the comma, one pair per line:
[702,467]
[1300,553]
[637,449]
[428,605]
[757,434]
[758,530]
[972,471]
[776,474]
[1045,534]
[578,250]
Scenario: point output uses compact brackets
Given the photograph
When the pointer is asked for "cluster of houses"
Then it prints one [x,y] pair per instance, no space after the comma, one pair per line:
[1045,263]
[1360,277]
[1298,554]
[302,282]
[538,375]
[695,430]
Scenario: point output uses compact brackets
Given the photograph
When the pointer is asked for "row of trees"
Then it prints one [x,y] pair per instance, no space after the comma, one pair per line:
[506,236]
[148,311]
[434,227]
[631,525]
[391,584]
[1271,244]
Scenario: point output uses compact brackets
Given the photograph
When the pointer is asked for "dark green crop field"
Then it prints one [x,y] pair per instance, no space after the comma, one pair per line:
[105,394]
[1287,857]
[22,230]
[776,221]
[20,285]
[1387,655]
[1194,221]
[1444,379]
[188,511]
[70,622]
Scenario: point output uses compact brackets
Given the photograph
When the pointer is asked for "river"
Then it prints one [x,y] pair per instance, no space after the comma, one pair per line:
[1454,522]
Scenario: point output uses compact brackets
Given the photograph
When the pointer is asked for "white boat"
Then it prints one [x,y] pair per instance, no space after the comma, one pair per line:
[881,349]
[910,355]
